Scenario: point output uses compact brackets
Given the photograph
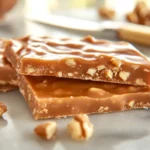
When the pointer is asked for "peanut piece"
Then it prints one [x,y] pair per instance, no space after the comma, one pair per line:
[91,71]
[59,74]
[47,130]
[140,82]
[70,62]
[80,128]
[116,62]
[131,103]
[124,75]
[100,67]
[30,69]
[70,74]
[109,74]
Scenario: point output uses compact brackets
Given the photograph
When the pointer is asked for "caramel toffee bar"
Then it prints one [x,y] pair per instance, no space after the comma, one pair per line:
[50,97]
[7,73]
[86,59]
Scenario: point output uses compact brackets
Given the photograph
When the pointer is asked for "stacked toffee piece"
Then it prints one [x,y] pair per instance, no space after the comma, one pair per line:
[64,77]
[8,76]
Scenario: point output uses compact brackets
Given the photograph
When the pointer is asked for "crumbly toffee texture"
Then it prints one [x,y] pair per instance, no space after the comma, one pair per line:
[86,59]
[7,73]
[51,97]
[3,109]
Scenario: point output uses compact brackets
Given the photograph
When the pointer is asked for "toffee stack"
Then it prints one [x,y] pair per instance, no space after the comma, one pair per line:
[64,77]
[8,76]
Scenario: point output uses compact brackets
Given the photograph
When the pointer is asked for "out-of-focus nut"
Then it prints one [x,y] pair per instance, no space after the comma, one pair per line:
[47,130]
[124,75]
[116,62]
[91,71]
[80,128]
[106,12]
[141,9]
[132,17]
[3,109]
[70,62]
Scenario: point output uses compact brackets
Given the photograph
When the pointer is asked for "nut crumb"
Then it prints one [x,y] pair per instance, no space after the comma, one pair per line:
[140,82]
[100,67]
[109,73]
[97,92]
[131,103]
[30,69]
[124,75]
[47,130]
[70,74]
[106,108]
[70,62]
[135,67]
[80,128]
[3,109]
[91,71]
[116,62]
[146,70]
[59,74]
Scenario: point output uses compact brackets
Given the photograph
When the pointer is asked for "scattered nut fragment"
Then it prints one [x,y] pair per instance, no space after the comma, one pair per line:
[124,75]
[70,62]
[47,130]
[80,128]
[91,71]
[107,13]
[3,109]
[116,62]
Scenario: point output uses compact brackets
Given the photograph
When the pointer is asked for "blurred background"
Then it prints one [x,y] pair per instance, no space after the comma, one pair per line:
[63,17]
